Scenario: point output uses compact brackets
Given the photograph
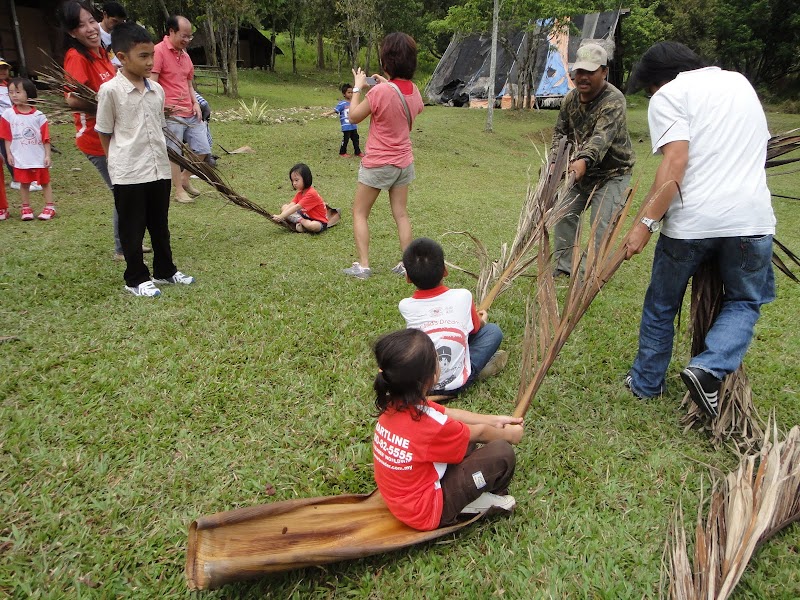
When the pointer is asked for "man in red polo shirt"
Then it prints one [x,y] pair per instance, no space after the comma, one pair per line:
[173,69]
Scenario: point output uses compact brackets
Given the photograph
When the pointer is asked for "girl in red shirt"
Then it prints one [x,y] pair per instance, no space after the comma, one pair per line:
[307,210]
[427,466]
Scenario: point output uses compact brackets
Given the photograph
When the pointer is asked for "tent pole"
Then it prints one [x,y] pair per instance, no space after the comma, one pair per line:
[23,67]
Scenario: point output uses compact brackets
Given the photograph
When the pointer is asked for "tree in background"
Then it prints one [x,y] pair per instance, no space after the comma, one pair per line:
[359,25]
[320,21]
[760,39]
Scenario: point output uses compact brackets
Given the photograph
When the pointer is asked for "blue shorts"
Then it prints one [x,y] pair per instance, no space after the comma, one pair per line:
[191,131]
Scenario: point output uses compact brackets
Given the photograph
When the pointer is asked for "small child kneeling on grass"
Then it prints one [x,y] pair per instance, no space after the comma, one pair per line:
[427,465]
[466,344]
[307,210]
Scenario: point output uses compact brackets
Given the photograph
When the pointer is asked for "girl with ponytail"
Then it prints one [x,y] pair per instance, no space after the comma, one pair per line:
[428,465]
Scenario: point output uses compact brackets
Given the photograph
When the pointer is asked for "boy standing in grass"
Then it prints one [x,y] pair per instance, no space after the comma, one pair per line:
[466,345]
[349,130]
[130,122]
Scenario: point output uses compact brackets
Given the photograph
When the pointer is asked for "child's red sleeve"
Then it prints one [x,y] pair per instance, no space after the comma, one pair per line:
[45,132]
[5,130]
[476,319]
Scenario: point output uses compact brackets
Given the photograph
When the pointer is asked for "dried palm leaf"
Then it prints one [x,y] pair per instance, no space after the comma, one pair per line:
[543,207]
[196,165]
[55,76]
[738,420]
[753,503]
[781,144]
[780,264]
[547,327]
[281,536]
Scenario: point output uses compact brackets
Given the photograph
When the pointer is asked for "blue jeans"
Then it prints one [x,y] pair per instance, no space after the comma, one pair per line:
[745,265]
[482,346]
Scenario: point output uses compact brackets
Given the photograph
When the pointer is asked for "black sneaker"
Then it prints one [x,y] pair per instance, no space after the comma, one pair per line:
[704,389]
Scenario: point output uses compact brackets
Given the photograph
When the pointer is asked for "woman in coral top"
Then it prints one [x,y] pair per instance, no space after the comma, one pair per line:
[87,63]
[389,163]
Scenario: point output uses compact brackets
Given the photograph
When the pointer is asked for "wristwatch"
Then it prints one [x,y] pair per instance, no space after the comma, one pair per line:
[651,224]
[356,90]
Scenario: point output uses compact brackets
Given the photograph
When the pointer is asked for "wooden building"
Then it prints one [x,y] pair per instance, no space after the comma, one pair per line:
[29,34]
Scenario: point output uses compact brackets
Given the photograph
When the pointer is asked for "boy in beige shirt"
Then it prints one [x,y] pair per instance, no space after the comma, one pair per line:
[130,119]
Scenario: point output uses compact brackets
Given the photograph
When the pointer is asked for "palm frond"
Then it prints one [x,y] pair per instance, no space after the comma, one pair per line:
[781,144]
[196,165]
[543,206]
[548,327]
[778,261]
[738,420]
[55,76]
[749,506]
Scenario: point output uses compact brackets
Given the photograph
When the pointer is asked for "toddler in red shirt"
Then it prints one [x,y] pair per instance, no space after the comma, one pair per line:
[26,135]
[307,210]
[428,467]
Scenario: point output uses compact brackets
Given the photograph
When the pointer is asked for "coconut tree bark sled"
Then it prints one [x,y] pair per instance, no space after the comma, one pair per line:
[270,538]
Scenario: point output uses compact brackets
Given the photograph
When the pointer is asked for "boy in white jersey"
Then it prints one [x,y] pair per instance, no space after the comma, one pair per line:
[467,346]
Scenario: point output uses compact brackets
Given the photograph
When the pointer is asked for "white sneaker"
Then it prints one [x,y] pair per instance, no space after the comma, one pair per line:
[146,288]
[496,364]
[177,278]
[399,269]
[358,271]
[486,501]
[35,187]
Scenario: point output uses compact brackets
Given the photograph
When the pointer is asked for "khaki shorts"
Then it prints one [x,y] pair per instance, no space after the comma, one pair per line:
[385,178]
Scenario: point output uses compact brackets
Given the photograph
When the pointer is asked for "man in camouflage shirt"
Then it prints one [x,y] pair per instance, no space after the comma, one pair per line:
[593,118]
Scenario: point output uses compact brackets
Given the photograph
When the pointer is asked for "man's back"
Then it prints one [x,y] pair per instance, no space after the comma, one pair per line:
[724,191]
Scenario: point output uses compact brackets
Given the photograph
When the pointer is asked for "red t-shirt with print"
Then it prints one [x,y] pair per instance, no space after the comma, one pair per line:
[410,457]
[91,73]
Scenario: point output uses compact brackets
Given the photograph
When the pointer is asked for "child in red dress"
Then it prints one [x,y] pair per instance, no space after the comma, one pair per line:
[27,140]
[427,466]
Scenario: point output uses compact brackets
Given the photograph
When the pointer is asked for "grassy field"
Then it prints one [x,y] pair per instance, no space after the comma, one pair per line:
[123,419]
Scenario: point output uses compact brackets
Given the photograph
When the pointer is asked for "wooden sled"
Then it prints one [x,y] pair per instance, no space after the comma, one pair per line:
[250,542]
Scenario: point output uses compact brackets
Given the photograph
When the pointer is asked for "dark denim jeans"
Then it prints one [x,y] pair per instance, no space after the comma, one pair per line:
[745,264]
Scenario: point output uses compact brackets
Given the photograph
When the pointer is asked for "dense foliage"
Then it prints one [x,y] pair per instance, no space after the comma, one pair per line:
[760,38]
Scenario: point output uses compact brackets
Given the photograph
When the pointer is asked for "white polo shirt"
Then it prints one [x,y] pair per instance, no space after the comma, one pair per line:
[724,191]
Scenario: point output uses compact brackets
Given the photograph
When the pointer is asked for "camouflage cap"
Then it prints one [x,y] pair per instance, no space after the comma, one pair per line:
[590,58]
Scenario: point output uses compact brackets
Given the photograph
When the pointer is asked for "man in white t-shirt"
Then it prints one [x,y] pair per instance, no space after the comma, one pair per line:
[711,193]
[113,14]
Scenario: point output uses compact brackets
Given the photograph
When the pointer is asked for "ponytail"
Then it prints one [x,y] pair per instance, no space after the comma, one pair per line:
[406,368]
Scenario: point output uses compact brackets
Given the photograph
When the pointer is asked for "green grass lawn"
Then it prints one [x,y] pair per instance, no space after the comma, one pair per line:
[123,419]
